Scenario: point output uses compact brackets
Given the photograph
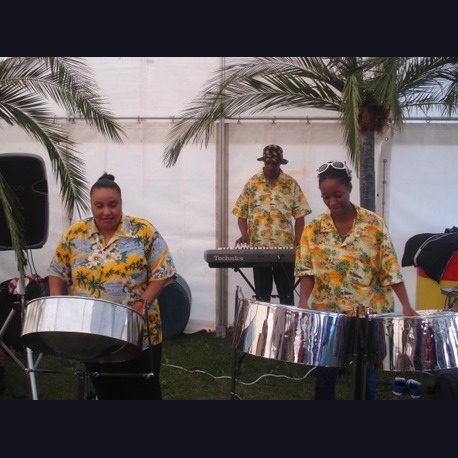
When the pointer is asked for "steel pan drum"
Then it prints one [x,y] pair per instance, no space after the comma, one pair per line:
[427,342]
[82,328]
[292,334]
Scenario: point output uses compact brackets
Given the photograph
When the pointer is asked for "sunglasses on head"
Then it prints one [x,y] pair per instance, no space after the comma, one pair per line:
[338,165]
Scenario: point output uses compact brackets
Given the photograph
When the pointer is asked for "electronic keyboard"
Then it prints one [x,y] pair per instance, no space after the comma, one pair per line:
[248,257]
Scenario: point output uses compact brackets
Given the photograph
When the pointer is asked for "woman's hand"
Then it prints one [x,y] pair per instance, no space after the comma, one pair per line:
[140,306]
[303,304]
[409,311]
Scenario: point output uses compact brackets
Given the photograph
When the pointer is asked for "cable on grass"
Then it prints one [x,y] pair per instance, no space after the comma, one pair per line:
[197,371]
[278,376]
[239,381]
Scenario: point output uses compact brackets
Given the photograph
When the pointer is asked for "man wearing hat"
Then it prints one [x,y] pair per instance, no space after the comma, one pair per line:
[266,208]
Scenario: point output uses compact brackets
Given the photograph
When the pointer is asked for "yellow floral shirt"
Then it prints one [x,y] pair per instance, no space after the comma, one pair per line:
[269,209]
[119,271]
[356,271]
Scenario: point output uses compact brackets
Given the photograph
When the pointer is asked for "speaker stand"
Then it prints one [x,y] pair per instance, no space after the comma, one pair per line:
[20,308]
[30,370]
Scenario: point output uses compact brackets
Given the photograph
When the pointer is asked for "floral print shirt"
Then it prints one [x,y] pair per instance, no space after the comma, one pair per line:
[118,271]
[268,209]
[356,271]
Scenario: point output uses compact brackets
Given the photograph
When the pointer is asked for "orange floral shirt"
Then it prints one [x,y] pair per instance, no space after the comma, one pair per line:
[356,271]
[269,209]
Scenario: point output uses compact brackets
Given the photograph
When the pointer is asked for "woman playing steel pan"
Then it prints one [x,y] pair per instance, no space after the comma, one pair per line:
[121,259]
[346,258]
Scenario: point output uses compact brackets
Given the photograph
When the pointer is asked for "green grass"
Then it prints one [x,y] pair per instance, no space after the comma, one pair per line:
[200,367]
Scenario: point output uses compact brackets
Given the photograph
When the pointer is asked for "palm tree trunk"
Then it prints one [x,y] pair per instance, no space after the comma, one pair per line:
[367,170]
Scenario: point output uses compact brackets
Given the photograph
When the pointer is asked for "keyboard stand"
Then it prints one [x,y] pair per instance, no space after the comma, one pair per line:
[237,269]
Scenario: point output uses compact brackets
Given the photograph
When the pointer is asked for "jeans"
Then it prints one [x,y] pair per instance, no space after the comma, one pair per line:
[326,378]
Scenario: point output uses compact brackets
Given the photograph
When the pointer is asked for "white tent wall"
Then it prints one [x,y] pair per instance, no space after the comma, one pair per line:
[191,202]
[421,184]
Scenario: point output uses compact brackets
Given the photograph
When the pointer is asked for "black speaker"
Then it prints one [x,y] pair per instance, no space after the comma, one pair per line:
[26,175]
[175,307]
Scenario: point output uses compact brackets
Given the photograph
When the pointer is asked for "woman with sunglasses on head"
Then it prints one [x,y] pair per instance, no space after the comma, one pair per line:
[347,263]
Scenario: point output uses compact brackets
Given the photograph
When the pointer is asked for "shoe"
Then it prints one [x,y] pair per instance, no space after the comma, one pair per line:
[399,386]
[414,388]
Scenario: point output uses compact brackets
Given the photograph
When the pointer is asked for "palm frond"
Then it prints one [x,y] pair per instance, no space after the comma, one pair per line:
[67,81]
[12,210]
[249,87]
[424,83]
[67,164]
[27,86]
[369,94]
[350,112]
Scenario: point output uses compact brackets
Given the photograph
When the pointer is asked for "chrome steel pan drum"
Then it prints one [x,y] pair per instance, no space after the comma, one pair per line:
[82,328]
[292,334]
[427,342]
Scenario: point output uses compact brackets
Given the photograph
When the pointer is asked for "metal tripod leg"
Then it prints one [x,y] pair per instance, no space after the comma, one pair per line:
[30,364]
[7,322]
[30,370]
[31,374]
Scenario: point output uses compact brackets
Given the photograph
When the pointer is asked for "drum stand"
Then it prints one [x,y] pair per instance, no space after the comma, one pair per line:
[236,359]
[84,377]
[20,308]
[360,356]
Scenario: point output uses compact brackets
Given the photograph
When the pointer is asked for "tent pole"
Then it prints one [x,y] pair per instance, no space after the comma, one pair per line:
[221,212]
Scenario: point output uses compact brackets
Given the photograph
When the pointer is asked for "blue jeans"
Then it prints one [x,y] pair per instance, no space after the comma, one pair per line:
[326,378]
